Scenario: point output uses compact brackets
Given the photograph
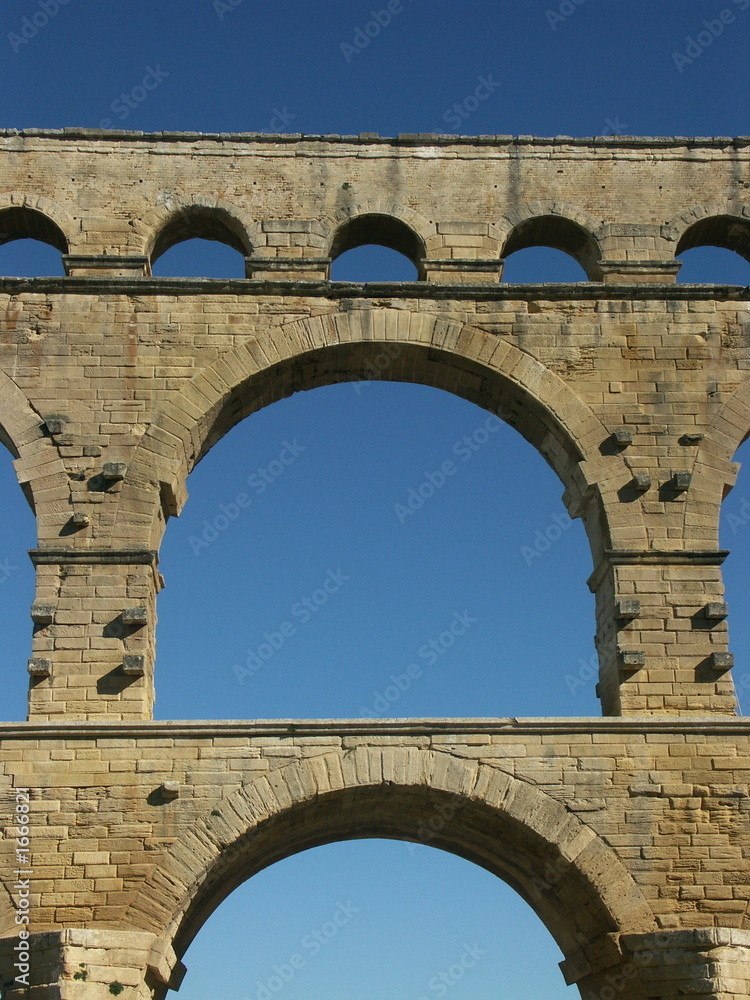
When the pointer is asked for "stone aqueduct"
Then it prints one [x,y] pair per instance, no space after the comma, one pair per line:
[627,834]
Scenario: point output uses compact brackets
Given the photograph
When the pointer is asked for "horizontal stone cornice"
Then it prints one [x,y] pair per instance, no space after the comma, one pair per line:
[397,728]
[584,290]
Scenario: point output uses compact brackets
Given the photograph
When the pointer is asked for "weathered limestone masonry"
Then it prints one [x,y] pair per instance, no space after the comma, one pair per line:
[628,834]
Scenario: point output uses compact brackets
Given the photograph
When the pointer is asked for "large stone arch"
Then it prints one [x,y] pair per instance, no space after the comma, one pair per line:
[395,345]
[569,876]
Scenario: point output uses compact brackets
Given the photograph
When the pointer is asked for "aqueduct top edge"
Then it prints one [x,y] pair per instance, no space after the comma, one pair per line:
[403,138]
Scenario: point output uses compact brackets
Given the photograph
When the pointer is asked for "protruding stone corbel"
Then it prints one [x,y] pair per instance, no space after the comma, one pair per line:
[134,665]
[40,666]
[631,659]
[627,609]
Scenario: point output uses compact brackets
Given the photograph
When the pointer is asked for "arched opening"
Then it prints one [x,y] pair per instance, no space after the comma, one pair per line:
[16,586]
[196,229]
[713,265]
[535,265]
[374,230]
[374,918]
[557,233]
[361,263]
[31,244]
[199,258]
[715,250]
[735,536]
[572,880]
[376,549]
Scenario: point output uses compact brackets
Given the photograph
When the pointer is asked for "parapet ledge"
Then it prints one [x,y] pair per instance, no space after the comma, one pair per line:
[300,728]
[372,138]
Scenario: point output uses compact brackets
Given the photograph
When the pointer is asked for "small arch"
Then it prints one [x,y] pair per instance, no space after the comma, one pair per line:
[24,223]
[542,264]
[371,262]
[381,230]
[199,222]
[712,265]
[559,233]
[731,232]
[200,258]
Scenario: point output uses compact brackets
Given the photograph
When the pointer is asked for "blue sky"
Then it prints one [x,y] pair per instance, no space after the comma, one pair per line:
[446,588]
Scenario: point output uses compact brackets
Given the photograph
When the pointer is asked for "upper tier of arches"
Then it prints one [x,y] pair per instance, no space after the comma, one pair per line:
[286,244]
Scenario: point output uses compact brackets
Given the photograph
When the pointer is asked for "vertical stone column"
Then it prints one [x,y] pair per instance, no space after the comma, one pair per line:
[94,627]
[601,971]
[465,253]
[287,268]
[636,253]
[662,634]
[89,964]
[712,963]
[291,250]
[455,270]
[106,265]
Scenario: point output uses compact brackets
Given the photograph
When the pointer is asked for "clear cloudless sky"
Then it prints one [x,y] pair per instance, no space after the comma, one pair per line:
[587,68]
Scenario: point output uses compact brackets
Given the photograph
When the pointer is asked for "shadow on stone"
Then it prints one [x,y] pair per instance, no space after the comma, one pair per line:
[114,682]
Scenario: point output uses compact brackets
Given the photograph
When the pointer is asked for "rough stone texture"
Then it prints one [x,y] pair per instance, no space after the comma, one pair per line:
[624,836]
[629,836]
